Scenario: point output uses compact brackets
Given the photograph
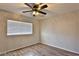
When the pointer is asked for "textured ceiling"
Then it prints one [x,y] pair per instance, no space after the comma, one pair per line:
[53,9]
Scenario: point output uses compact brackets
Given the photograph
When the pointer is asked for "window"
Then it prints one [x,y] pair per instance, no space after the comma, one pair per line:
[18,28]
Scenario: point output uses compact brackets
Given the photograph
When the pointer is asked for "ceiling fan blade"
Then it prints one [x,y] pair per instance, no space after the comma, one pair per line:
[44,6]
[40,3]
[29,4]
[27,11]
[42,12]
[36,6]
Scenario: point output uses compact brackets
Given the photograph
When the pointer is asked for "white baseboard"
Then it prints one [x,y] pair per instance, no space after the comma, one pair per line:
[62,48]
[36,43]
[15,49]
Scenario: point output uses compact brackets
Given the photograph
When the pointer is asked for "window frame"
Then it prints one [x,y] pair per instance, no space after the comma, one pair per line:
[13,34]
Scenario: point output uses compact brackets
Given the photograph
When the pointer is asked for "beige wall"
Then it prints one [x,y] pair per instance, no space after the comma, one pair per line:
[8,43]
[61,31]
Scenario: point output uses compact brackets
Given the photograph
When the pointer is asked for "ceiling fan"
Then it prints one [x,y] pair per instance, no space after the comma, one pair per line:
[36,8]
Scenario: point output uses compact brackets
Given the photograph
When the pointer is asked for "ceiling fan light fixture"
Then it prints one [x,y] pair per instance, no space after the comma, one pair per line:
[35,13]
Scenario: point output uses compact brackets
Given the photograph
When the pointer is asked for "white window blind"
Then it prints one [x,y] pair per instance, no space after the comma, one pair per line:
[18,28]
